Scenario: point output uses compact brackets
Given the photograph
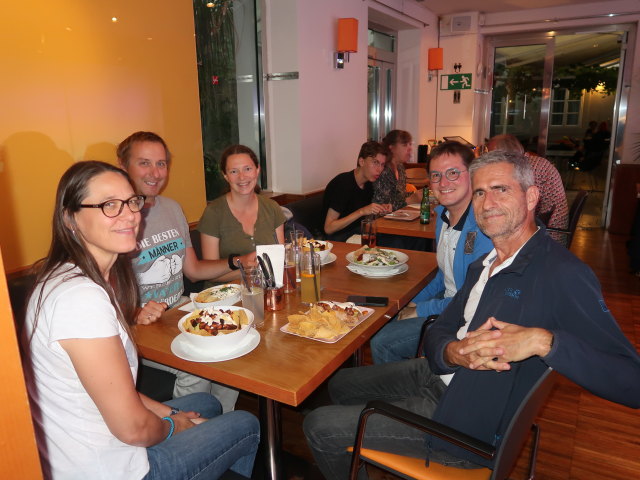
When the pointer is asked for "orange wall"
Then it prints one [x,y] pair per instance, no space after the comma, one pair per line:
[74,84]
[18,451]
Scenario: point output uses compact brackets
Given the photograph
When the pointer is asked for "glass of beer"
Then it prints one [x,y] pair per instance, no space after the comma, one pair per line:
[290,267]
[368,232]
[310,277]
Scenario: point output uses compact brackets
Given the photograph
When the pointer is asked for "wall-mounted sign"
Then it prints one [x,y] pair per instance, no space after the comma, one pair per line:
[455,81]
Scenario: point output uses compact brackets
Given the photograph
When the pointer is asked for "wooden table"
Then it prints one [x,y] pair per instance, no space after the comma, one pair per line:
[410,229]
[400,289]
[285,368]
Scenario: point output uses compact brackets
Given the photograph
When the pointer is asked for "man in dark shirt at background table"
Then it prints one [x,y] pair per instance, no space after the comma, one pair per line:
[347,197]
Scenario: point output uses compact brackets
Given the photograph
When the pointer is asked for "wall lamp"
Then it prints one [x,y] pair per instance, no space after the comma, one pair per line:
[347,40]
[435,61]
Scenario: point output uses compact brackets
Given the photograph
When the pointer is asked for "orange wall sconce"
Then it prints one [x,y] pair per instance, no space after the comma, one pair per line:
[347,40]
[435,61]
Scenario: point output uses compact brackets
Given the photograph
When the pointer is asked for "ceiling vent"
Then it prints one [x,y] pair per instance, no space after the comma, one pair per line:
[461,23]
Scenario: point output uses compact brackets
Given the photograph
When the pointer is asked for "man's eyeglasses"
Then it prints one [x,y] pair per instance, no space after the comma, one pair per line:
[113,208]
[452,174]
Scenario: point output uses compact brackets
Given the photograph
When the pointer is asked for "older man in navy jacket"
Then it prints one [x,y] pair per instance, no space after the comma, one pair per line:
[528,305]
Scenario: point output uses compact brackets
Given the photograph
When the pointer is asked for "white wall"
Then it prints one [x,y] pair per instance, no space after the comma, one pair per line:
[316,124]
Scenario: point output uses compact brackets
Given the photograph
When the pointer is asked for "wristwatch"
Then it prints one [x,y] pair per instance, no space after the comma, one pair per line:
[232,265]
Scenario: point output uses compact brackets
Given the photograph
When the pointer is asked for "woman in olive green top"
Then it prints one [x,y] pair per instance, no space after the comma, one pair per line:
[234,223]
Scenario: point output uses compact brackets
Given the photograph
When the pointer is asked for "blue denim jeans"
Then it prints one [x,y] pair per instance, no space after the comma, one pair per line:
[409,384]
[206,451]
[397,340]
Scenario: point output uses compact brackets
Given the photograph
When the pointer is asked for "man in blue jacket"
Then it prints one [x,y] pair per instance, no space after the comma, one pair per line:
[527,305]
[459,242]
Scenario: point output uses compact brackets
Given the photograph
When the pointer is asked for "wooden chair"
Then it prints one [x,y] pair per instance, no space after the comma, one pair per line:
[417,176]
[504,456]
[574,216]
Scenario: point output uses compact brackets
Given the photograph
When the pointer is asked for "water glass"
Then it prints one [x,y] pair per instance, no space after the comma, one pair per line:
[297,237]
[310,278]
[253,297]
[368,231]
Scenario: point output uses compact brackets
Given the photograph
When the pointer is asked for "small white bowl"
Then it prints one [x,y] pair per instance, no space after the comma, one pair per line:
[324,254]
[229,300]
[220,342]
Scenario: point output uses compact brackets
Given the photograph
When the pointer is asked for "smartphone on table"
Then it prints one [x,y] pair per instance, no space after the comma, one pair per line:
[364,301]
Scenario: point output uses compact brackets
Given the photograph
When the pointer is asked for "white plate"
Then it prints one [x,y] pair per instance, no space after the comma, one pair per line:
[414,205]
[402,259]
[329,259]
[397,270]
[230,300]
[184,350]
[403,215]
[366,313]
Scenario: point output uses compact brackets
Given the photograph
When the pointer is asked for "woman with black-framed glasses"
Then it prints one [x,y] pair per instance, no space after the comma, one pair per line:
[81,362]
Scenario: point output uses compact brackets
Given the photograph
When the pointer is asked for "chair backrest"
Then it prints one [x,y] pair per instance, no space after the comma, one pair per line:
[418,172]
[519,426]
[574,213]
[308,212]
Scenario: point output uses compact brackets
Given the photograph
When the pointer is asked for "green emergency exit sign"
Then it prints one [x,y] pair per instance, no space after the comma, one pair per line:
[455,81]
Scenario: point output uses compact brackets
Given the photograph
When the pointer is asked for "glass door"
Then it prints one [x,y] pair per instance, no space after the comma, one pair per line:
[559,93]
[231,99]
[518,95]
[380,109]
[380,84]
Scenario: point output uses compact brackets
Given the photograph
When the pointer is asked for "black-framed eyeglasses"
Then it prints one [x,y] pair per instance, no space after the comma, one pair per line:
[113,208]
[451,174]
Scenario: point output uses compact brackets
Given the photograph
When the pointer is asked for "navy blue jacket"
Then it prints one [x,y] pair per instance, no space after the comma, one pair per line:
[546,286]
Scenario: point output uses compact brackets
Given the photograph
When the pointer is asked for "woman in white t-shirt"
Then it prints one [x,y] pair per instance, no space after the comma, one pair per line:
[81,363]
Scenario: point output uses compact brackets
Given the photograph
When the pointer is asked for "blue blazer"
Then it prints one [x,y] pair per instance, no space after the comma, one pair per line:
[431,301]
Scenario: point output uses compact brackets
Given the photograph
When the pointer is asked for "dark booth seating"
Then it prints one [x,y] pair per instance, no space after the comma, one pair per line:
[308,213]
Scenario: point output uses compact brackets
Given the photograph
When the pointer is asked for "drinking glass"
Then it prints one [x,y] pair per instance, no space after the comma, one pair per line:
[297,237]
[291,272]
[274,299]
[253,297]
[368,232]
[310,277]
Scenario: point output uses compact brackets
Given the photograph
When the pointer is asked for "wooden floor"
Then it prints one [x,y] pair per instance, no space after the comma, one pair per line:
[583,437]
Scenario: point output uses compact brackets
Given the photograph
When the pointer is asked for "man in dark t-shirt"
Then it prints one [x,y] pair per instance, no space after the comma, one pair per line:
[348,196]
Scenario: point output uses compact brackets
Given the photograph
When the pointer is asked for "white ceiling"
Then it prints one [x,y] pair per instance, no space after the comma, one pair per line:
[444,7]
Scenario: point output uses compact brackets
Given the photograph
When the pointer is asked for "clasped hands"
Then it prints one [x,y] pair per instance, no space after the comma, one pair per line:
[496,344]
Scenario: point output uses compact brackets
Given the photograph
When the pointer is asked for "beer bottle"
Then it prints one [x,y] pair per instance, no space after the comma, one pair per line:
[425,210]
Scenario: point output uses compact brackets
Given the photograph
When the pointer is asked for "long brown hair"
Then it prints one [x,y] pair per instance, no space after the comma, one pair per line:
[66,247]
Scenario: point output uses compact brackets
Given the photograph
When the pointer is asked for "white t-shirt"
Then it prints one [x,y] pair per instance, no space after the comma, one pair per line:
[446,253]
[73,438]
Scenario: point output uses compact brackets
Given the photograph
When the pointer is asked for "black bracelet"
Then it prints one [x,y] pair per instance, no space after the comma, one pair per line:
[232,265]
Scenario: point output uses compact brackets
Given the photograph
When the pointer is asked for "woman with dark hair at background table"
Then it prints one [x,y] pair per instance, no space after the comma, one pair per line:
[81,362]
[391,185]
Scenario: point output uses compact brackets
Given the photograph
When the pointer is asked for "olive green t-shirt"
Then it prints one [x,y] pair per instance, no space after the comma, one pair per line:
[218,221]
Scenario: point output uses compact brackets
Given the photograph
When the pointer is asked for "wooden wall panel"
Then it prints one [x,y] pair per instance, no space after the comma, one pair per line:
[18,451]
